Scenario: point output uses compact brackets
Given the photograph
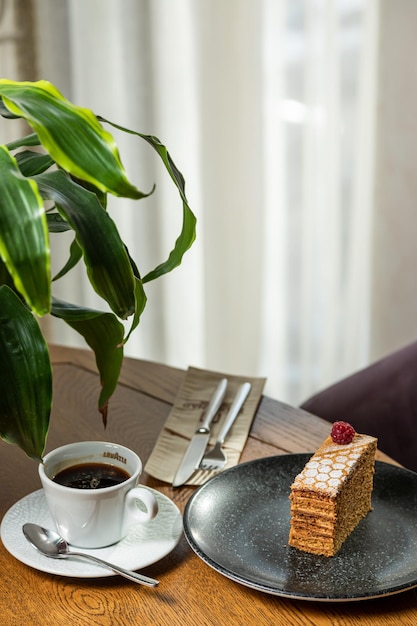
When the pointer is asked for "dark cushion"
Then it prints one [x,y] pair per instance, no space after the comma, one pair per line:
[379,400]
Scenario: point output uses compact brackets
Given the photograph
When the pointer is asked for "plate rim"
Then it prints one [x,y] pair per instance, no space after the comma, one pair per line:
[85,570]
[270,589]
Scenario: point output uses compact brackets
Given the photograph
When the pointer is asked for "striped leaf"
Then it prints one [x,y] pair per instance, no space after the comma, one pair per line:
[24,238]
[188,232]
[26,377]
[71,134]
[104,334]
[105,256]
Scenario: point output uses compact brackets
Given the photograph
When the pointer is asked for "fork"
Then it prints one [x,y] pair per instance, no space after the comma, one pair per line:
[216,459]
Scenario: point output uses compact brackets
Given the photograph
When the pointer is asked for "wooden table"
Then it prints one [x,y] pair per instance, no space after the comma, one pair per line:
[190,592]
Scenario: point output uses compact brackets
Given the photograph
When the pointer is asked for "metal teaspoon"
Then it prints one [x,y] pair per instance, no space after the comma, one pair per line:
[49,543]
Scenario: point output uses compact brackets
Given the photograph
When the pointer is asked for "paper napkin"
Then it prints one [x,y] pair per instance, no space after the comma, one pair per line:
[187,414]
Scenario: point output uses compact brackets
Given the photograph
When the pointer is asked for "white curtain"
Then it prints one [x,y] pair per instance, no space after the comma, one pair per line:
[268,107]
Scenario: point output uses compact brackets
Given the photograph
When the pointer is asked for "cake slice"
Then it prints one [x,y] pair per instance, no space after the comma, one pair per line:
[333,492]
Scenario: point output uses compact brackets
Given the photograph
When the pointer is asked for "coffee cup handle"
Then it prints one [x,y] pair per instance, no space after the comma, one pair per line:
[140,506]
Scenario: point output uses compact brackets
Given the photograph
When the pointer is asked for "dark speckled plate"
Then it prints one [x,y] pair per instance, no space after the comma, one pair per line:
[238,523]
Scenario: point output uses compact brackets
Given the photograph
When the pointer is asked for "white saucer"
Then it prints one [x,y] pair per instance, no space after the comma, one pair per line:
[144,544]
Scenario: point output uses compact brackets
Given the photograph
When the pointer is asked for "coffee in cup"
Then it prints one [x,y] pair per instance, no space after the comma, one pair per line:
[92,493]
[91,476]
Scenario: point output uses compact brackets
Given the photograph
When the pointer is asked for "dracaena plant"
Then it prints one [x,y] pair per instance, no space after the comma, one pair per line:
[54,180]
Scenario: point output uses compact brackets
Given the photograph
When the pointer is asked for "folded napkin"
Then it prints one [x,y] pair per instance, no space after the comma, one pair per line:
[187,414]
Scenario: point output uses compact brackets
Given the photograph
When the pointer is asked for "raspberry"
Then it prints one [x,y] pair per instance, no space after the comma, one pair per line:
[342,433]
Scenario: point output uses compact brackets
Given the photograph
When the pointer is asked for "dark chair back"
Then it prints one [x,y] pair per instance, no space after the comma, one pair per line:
[380,400]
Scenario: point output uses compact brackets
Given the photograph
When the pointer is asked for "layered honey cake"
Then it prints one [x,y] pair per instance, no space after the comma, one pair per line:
[333,492]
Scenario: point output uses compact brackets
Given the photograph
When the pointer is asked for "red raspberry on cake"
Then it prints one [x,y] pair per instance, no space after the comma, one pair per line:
[342,433]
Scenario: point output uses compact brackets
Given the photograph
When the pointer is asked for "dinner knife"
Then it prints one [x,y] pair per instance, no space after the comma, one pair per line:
[198,443]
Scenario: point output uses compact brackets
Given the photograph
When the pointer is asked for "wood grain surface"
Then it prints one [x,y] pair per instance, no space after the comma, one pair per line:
[190,592]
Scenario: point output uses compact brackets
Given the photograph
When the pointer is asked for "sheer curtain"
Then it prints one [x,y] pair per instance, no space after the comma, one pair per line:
[268,107]
[322,120]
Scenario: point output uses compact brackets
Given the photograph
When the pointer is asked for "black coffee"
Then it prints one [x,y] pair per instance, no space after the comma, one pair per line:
[91,476]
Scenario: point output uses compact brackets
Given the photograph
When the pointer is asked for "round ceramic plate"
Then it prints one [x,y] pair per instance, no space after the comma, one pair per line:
[238,523]
[144,544]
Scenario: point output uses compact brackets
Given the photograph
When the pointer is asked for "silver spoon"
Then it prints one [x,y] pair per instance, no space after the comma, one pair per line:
[49,543]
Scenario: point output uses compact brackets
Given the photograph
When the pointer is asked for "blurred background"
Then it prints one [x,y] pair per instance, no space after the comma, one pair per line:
[294,124]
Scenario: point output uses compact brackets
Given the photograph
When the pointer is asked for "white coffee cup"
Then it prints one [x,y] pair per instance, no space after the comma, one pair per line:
[95,518]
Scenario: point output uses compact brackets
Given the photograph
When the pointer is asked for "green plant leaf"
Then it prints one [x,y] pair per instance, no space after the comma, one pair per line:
[188,231]
[31,163]
[71,134]
[5,278]
[56,223]
[141,299]
[24,238]
[26,377]
[104,334]
[75,256]
[4,111]
[31,140]
[105,256]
